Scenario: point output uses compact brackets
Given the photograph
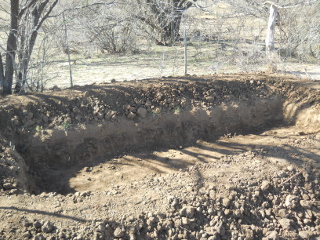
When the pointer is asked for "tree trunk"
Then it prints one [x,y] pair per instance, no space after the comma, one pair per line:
[11,48]
[164,18]
[170,30]
[24,62]
[26,51]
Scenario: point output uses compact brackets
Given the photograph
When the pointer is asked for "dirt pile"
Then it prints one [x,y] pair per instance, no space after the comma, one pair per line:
[89,156]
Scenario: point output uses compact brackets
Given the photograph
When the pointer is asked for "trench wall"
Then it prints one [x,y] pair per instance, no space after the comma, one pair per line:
[59,148]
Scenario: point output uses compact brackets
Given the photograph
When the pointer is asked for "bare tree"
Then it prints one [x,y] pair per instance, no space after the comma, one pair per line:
[110,28]
[161,18]
[26,18]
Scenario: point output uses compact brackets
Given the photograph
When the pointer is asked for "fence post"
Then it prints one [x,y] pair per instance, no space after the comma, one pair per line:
[271,29]
[68,49]
[185,53]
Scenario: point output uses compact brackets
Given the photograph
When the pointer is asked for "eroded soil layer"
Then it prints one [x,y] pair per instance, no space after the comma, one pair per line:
[117,148]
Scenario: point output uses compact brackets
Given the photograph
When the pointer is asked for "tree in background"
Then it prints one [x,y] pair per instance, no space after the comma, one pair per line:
[118,26]
[161,18]
[26,18]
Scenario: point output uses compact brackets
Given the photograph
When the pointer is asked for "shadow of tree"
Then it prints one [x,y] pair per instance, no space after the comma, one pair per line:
[57,215]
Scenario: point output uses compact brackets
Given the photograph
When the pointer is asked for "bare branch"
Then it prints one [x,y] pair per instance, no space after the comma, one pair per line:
[26,6]
[46,15]
[84,7]
[291,5]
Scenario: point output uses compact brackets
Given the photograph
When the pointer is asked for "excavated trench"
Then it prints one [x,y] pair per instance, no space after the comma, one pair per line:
[52,156]
[66,152]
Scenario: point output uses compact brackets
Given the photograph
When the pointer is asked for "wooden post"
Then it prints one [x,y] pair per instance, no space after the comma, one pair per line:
[68,50]
[1,75]
[271,29]
[270,54]
[185,53]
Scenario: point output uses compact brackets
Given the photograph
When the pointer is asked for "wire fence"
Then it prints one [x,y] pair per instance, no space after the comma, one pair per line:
[217,49]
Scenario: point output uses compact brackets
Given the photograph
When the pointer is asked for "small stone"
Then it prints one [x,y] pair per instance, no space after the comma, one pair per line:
[152,220]
[109,114]
[132,236]
[37,224]
[85,194]
[265,204]
[131,116]
[39,237]
[142,112]
[285,223]
[161,215]
[29,123]
[100,115]
[211,211]
[220,229]
[308,214]
[8,186]
[304,234]
[216,237]
[305,204]
[77,194]
[79,237]
[177,222]
[86,94]
[256,193]
[47,227]
[118,233]
[101,227]
[173,202]
[185,221]
[268,212]
[26,235]
[226,202]
[210,230]
[188,211]
[249,234]
[306,221]
[291,201]
[45,118]
[15,121]
[283,213]
[273,235]
[305,197]
[290,168]
[210,98]
[265,185]
[227,212]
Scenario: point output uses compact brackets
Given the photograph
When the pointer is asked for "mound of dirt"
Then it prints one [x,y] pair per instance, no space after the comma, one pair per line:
[211,157]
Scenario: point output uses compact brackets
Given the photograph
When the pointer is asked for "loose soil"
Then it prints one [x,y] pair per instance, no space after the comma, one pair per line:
[197,157]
